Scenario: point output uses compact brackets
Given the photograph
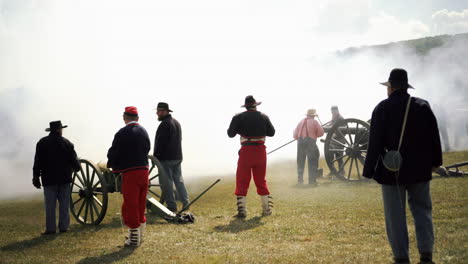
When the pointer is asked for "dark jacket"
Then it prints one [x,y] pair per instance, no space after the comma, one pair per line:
[251,124]
[168,141]
[420,148]
[129,149]
[55,160]
[339,137]
[336,120]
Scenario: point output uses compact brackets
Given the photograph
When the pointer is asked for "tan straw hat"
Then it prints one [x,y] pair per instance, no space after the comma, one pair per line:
[312,112]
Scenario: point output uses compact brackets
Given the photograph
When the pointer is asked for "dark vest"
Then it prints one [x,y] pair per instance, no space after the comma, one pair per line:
[251,124]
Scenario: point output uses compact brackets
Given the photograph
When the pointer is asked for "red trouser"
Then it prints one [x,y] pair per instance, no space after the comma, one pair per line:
[252,161]
[134,189]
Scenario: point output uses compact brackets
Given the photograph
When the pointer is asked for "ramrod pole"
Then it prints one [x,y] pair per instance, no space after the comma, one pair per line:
[281,146]
[198,197]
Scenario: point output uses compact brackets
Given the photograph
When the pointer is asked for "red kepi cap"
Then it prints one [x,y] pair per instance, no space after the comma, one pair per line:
[131,111]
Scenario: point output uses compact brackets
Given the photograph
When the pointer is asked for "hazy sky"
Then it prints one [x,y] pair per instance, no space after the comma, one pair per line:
[84,61]
[418,9]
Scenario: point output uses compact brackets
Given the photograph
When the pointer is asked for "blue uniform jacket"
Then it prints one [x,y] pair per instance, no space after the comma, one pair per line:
[420,150]
[129,149]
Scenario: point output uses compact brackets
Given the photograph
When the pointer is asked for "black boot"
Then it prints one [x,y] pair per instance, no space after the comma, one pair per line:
[401,261]
[426,258]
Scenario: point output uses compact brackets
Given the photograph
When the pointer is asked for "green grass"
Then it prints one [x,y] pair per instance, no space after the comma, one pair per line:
[336,222]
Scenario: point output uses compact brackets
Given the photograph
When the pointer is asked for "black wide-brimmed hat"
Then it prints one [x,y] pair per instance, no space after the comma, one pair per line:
[250,101]
[398,79]
[334,108]
[163,106]
[54,125]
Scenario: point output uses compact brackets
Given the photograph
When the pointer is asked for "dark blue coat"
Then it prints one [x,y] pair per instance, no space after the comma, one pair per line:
[420,150]
[168,140]
[55,160]
[129,149]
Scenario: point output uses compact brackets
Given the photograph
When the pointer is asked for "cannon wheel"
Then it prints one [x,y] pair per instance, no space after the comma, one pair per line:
[154,189]
[88,201]
[155,171]
[345,157]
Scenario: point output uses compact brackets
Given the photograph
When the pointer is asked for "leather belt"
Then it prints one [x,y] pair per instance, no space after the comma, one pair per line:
[247,143]
[252,141]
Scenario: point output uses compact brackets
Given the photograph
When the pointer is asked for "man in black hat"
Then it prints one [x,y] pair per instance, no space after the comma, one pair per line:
[168,150]
[54,162]
[421,153]
[253,127]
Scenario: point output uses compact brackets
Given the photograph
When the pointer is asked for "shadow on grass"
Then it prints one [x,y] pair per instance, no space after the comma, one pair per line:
[155,220]
[25,244]
[328,182]
[303,186]
[240,225]
[109,257]
[342,182]
[114,223]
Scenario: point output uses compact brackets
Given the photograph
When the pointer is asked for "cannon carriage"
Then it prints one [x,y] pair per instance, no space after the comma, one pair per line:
[91,186]
[347,141]
[345,148]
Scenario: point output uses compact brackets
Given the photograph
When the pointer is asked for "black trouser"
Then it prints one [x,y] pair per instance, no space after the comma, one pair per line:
[337,155]
[307,147]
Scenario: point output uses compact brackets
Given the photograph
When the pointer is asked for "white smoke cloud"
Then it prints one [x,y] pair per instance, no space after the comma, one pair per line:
[83,62]
[354,23]
[450,22]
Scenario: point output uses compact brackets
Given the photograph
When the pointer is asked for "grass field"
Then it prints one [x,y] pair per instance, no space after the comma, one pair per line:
[336,222]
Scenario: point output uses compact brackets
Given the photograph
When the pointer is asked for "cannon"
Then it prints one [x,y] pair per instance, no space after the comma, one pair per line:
[453,170]
[345,148]
[91,186]
[348,140]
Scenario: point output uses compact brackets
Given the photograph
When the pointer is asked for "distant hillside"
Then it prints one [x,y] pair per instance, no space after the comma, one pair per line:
[421,46]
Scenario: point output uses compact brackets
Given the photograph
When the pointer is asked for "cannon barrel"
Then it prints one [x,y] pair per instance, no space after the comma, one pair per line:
[457,165]
[347,130]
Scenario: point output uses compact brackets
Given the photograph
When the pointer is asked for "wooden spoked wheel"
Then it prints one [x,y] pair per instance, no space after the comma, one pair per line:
[154,188]
[88,203]
[346,148]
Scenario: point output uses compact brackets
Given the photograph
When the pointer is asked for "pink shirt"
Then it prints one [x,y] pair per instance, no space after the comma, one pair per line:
[313,129]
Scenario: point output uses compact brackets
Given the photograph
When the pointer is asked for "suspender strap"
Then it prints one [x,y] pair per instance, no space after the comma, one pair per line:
[404,122]
[307,129]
